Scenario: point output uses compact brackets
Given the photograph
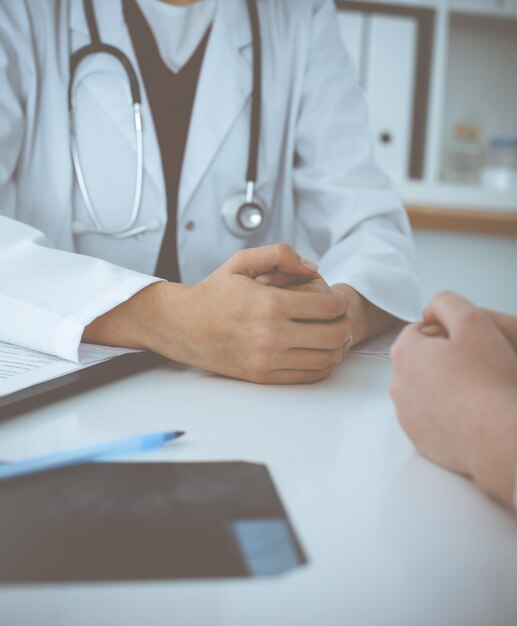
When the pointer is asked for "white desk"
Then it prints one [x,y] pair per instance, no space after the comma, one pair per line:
[392,540]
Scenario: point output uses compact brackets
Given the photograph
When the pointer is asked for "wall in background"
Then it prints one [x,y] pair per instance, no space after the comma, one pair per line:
[483,268]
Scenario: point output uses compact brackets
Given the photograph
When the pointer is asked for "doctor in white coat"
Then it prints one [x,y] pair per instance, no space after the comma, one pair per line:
[62,283]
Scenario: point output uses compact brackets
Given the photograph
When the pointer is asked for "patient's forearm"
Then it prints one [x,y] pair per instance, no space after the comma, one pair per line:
[495,463]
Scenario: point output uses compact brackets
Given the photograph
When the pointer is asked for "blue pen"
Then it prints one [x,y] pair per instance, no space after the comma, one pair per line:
[107,450]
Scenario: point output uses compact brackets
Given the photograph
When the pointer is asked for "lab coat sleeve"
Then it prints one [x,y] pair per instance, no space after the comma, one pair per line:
[346,205]
[47,296]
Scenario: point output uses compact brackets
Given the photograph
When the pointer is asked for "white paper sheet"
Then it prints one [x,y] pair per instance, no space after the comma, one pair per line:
[379,346]
[21,367]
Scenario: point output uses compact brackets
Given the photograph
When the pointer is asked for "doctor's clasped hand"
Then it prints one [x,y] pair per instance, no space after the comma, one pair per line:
[237,324]
[183,141]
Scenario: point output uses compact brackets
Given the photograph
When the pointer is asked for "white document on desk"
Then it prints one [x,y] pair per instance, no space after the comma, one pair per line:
[21,367]
[378,346]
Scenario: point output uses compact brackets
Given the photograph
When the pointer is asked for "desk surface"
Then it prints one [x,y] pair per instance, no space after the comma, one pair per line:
[392,540]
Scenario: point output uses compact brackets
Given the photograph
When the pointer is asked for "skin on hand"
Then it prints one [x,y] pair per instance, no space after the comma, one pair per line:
[507,324]
[363,319]
[233,325]
[455,390]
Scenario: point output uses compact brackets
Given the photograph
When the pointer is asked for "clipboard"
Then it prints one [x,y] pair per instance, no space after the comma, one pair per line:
[75,382]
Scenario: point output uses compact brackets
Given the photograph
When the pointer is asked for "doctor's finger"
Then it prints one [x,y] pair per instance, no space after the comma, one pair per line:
[320,335]
[280,279]
[279,257]
[318,285]
[303,305]
[303,359]
[293,377]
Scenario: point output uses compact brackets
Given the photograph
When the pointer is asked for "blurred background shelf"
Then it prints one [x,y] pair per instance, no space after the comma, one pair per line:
[462,220]
[441,82]
[448,195]
[458,208]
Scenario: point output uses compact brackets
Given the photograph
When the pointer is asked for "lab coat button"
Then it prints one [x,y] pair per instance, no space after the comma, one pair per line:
[190,225]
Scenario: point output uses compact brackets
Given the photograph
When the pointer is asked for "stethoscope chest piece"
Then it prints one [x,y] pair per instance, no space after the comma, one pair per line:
[243,217]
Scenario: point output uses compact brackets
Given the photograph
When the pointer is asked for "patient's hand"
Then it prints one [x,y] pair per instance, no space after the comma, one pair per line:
[507,324]
[455,389]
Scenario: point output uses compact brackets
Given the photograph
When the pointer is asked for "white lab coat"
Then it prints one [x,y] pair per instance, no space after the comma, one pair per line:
[315,168]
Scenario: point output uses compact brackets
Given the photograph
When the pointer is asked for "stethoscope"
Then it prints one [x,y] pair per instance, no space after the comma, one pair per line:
[244,214]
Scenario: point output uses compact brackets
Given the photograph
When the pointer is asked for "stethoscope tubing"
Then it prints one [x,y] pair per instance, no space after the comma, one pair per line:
[129,229]
[256,113]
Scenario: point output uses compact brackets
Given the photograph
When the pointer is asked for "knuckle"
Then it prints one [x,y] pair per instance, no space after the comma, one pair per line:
[334,307]
[283,249]
[341,335]
[239,255]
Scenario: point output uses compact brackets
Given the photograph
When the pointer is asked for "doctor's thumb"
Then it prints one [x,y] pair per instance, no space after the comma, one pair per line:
[279,257]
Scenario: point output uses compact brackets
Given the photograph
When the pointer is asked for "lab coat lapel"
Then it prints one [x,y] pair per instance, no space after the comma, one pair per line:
[224,87]
[114,31]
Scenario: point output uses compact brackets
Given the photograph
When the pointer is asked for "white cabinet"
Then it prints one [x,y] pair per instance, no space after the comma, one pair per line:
[383,50]
[390,82]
